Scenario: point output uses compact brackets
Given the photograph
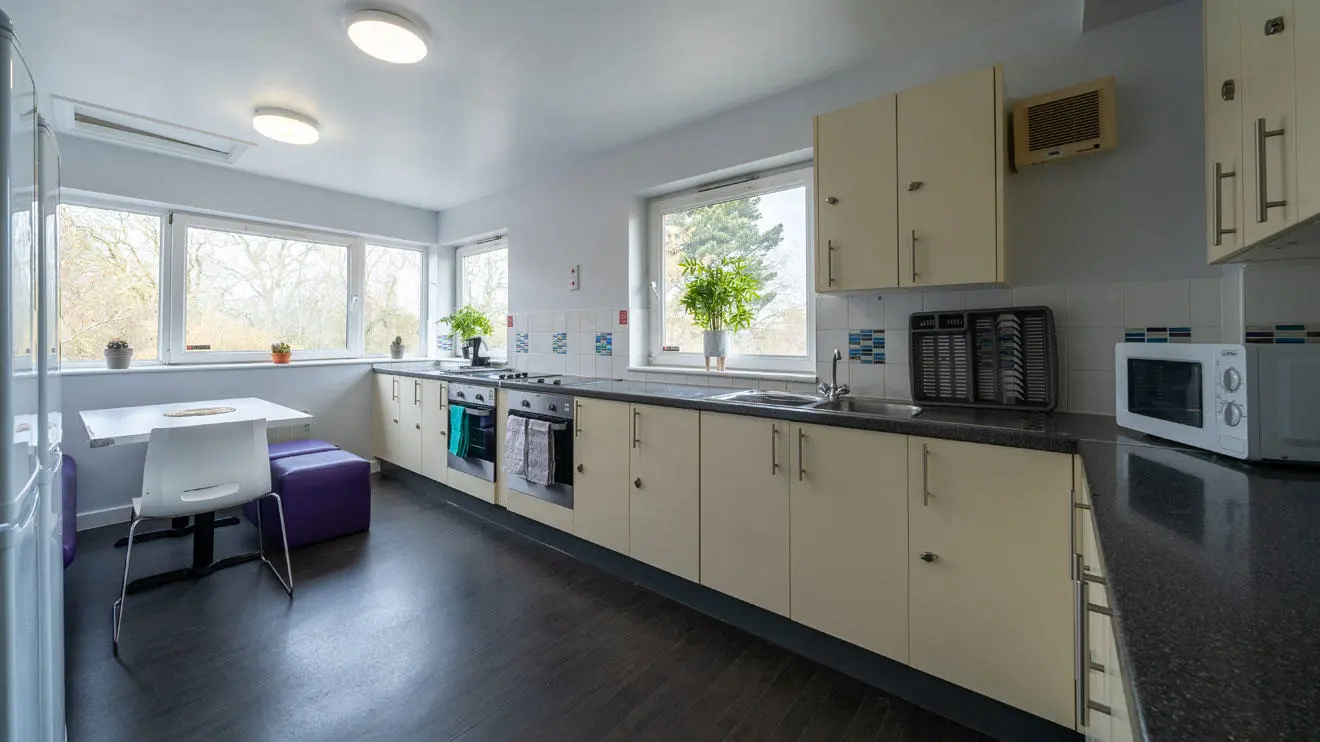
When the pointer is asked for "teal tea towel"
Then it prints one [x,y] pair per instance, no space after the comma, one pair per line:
[458,431]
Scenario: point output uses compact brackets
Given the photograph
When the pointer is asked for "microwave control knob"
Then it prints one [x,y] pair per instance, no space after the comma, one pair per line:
[1232,414]
[1232,380]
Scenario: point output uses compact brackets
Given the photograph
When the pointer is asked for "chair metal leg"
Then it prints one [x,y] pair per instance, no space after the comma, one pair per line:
[123,589]
[288,563]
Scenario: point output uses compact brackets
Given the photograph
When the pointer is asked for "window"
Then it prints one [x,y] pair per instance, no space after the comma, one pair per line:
[483,281]
[394,300]
[766,220]
[109,281]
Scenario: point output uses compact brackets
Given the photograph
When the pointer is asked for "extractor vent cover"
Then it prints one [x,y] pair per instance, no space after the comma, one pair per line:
[118,127]
[1067,123]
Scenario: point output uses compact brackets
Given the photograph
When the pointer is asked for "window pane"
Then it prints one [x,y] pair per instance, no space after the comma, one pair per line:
[770,231]
[246,291]
[109,265]
[393,299]
[484,283]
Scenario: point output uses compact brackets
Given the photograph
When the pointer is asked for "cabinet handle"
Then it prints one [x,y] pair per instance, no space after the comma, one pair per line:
[394,389]
[577,421]
[1096,579]
[914,257]
[1220,175]
[636,440]
[1100,707]
[774,449]
[637,483]
[417,392]
[802,470]
[1073,551]
[1263,202]
[925,475]
[829,261]
[928,557]
[1083,654]
[579,468]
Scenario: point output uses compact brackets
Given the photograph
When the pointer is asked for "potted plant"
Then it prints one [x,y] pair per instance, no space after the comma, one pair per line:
[280,352]
[469,324]
[118,353]
[718,296]
[396,347]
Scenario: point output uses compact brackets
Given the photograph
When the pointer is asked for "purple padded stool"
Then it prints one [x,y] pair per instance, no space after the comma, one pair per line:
[69,504]
[298,448]
[326,495]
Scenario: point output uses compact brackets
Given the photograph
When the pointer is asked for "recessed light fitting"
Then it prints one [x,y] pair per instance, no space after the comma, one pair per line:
[387,36]
[285,126]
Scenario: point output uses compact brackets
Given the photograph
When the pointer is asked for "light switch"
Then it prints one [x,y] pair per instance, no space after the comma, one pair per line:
[573,283]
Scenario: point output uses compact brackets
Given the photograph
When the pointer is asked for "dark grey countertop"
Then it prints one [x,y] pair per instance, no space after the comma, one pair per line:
[1213,564]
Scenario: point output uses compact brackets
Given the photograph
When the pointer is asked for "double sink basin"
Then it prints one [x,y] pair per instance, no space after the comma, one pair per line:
[849,405]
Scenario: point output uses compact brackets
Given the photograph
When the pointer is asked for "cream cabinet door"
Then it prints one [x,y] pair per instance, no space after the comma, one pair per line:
[410,424]
[1223,128]
[664,511]
[951,150]
[1306,46]
[848,573]
[744,509]
[1269,109]
[600,472]
[435,431]
[857,197]
[385,417]
[991,585]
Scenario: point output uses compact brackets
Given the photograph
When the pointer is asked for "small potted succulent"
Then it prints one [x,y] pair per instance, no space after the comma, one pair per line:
[280,352]
[718,296]
[118,353]
[396,347]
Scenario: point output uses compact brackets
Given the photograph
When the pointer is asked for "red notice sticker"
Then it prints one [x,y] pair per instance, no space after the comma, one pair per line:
[623,316]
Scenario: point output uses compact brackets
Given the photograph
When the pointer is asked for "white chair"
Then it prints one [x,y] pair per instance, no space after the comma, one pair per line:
[200,469]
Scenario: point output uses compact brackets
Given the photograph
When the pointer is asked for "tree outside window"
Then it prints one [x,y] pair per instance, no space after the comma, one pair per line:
[393,299]
[483,282]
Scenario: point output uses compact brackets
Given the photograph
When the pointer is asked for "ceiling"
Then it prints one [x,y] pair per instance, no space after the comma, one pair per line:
[511,87]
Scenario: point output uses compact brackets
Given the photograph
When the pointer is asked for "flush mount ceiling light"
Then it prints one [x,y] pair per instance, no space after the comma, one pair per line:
[387,36]
[285,126]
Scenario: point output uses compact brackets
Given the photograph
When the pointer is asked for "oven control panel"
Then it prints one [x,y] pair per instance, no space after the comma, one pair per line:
[471,394]
[549,405]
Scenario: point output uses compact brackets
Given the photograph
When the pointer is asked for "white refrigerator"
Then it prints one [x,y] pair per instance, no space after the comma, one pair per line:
[31,518]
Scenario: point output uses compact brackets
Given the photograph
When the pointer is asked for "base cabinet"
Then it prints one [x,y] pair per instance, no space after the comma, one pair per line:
[385,417]
[409,454]
[435,431]
[849,535]
[600,472]
[664,507]
[991,580]
[744,509]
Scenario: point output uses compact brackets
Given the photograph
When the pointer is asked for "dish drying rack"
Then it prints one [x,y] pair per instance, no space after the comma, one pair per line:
[992,358]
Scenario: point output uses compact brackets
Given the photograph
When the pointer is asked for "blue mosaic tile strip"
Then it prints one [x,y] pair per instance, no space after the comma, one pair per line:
[604,343]
[444,342]
[1287,334]
[866,347]
[559,344]
[521,342]
[1157,335]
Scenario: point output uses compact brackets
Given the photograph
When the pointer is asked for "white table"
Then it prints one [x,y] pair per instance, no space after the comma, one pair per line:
[120,425]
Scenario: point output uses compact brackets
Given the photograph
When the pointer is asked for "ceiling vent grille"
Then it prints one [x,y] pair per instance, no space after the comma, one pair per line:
[90,121]
[1067,123]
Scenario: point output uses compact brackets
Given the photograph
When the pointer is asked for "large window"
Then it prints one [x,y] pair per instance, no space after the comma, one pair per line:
[109,281]
[393,305]
[483,281]
[764,220]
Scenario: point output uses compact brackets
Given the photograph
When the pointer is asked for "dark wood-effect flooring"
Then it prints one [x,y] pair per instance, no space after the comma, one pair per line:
[437,625]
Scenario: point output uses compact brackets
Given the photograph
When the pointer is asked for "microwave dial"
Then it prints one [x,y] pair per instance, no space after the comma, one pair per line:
[1232,379]
[1232,414]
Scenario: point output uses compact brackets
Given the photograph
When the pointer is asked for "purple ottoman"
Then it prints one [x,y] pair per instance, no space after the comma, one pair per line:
[69,505]
[298,448]
[326,495]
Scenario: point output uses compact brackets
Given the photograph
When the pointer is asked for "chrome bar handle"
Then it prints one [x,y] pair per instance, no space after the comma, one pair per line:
[577,418]
[1220,176]
[829,261]
[417,392]
[925,475]
[1263,202]
[394,388]
[1081,661]
[802,471]
[914,257]
[1073,550]
[636,440]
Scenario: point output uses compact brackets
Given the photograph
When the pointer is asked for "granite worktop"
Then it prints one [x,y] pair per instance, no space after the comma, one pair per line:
[1213,565]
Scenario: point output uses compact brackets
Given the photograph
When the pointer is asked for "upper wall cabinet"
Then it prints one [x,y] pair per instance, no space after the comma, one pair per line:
[1262,100]
[910,187]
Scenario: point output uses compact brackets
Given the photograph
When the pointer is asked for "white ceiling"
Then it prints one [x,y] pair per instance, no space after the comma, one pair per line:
[511,87]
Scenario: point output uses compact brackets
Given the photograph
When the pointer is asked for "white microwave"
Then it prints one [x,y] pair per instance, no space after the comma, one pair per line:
[1259,402]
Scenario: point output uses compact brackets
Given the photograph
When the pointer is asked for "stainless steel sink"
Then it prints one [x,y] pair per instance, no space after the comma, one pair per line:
[867,406]
[771,399]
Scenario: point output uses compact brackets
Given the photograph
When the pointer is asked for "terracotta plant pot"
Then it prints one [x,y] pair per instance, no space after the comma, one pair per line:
[118,358]
[281,357]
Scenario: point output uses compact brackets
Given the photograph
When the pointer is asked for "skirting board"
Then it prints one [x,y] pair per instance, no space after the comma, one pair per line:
[104,517]
[966,707]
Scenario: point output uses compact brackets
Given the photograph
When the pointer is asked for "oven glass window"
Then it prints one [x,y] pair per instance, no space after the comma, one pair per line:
[1166,390]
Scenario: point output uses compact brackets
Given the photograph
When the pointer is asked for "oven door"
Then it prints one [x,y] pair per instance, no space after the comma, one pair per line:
[480,461]
[561,492]
[1167,390]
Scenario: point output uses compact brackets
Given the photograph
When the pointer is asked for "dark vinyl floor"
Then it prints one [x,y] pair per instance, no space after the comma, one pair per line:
[435,626]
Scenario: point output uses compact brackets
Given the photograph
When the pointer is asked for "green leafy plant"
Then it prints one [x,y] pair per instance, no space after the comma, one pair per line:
[280,347]
[117,344]
[468,322]
[719,292]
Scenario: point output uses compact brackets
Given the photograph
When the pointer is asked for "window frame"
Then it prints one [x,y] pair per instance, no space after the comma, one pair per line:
[423,310]
[480,247]
[794,176]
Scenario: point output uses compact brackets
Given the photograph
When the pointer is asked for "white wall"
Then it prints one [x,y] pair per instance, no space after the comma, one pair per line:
[339,396]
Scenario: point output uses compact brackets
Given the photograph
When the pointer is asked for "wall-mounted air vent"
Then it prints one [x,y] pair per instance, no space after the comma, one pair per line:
[1064,124]
[118,127]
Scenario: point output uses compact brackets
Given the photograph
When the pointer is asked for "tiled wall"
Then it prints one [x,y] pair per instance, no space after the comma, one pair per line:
[1281,302]
[591,342]
[1089,320]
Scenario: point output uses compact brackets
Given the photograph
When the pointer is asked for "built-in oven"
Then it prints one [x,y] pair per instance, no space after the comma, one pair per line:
[476,453]
[555,412]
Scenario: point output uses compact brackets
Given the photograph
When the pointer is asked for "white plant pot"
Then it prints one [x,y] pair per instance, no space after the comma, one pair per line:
[716,346]
[396,351]
[118,359]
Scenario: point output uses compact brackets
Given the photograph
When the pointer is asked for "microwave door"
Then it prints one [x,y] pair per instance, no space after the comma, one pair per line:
[1168,390]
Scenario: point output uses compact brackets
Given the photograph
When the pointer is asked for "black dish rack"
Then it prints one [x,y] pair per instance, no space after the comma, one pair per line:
[994,358]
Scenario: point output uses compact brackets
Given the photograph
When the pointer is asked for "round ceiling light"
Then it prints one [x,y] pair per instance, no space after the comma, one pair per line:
[285,126]
[387,36]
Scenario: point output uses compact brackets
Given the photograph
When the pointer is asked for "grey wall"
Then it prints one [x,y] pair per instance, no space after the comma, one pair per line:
[1135,214]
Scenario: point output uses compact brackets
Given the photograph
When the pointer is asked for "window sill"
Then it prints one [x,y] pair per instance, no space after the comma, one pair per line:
[149,367]
[787,376]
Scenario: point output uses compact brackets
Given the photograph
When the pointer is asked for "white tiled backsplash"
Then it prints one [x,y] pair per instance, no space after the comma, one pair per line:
[589,342]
